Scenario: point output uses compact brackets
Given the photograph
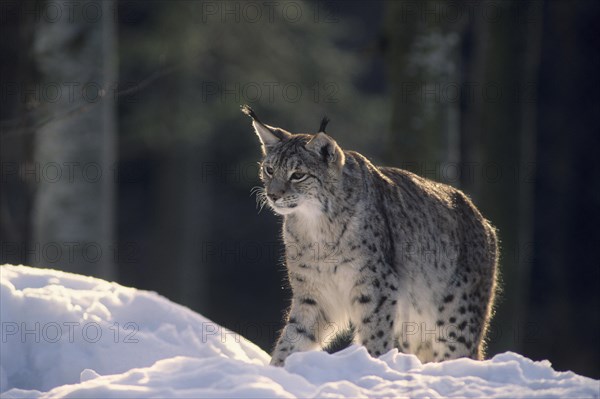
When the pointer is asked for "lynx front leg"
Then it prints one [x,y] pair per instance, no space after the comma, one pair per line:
[303,330]
[374,317]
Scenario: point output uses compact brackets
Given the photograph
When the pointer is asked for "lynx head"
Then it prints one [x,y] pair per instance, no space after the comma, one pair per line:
[297,169]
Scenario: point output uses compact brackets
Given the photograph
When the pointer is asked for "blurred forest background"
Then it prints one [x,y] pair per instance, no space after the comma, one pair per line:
[124,154]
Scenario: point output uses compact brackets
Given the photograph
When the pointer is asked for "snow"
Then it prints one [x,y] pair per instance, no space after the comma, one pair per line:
[71,336]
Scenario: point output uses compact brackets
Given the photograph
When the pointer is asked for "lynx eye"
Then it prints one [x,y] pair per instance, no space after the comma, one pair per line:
[298,176]
[268,170]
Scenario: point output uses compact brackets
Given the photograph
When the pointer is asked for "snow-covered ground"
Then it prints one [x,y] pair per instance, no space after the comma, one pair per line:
[71,336]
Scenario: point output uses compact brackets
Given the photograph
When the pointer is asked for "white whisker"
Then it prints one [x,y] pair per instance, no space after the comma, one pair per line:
[261,197]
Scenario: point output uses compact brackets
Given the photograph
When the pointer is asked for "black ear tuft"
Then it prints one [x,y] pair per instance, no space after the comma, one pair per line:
[250,112]
[324,123]
[268,135]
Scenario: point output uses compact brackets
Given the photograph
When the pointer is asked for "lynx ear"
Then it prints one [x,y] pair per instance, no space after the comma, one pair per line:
[327,149]
[268,135]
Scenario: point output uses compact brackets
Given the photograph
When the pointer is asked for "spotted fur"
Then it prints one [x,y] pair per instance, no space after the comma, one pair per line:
[410,263]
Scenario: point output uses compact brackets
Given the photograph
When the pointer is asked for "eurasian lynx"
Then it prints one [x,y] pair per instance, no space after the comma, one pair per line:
[410,263]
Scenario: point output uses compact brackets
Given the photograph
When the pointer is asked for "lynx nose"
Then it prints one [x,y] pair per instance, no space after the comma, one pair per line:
[273,197]
[276,190]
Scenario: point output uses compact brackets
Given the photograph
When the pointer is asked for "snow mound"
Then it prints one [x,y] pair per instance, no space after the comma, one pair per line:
[71,336]
[55,325]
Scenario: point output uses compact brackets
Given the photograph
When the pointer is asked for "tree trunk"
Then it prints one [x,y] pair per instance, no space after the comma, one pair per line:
[528,88]
[422,56]
[505,131]
[73,219]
